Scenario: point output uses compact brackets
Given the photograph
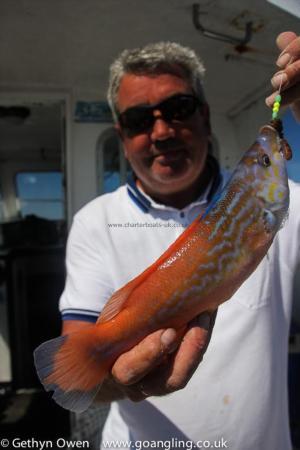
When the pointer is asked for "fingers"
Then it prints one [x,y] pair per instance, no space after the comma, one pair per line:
[288,61]
[191,350]
[176,370]
[153,367]
[133,365]
[284,39]
[288,97]
[287,79]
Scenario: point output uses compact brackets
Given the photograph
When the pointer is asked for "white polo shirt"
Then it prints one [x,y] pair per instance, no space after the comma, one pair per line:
[238,394]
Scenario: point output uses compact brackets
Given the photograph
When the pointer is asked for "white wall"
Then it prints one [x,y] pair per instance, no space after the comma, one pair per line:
[83,167]
[249,117]
[224,132]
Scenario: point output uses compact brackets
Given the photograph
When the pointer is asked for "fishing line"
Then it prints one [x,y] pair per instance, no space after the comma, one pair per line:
[277,102]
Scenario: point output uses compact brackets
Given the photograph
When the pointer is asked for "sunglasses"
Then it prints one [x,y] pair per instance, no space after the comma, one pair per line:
[139,119]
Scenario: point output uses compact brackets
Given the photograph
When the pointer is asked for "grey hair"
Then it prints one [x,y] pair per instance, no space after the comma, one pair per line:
[157,58]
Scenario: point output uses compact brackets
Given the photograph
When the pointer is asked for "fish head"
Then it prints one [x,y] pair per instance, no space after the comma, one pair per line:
[269,155]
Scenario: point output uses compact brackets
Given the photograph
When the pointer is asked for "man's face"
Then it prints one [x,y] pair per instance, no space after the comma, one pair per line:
[169,156]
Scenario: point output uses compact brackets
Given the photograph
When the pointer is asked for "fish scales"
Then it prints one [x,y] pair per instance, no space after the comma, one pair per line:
[200,270]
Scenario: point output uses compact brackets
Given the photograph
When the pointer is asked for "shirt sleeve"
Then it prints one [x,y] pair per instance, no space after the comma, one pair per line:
[88,283]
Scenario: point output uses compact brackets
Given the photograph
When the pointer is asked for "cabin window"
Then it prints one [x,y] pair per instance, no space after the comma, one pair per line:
[112,167]
[40,194]
[111,162]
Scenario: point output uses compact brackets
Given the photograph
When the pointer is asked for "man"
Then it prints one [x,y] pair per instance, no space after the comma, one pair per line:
[237,395]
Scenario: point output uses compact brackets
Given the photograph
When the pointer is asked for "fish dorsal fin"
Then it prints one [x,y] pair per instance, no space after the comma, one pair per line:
[117,301]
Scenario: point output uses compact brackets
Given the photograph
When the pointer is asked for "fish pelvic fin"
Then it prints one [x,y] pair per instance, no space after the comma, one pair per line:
[74,367]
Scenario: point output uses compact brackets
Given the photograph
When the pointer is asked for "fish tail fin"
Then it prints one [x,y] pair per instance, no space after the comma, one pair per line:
[74,366]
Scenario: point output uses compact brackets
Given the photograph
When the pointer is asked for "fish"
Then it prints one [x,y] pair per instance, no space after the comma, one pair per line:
[202,269]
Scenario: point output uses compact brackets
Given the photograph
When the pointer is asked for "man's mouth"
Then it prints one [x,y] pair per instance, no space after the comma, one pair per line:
[170,156]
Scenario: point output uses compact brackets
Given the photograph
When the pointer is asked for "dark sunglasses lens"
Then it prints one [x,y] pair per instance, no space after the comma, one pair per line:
[179,108]
[140,119]
[136,120]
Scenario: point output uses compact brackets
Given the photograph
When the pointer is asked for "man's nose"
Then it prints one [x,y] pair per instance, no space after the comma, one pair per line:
[161,129]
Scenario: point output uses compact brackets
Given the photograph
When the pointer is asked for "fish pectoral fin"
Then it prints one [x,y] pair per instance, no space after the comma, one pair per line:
[270,220]
[117,301]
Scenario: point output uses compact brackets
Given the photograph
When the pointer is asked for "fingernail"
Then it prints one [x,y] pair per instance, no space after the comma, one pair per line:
[279,79]
[168,338]
[270,100]
[204,320]
[283,60]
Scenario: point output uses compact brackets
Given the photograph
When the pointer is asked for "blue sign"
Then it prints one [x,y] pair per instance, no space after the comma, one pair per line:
[93,112]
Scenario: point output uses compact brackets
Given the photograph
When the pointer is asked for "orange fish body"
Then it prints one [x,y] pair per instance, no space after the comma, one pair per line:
[199,271]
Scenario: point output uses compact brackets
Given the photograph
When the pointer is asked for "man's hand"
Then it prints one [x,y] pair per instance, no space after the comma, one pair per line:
[289,65]
[161,363]
[164,361]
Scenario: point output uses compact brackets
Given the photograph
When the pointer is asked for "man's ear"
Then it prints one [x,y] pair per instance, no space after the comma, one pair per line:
[119,130]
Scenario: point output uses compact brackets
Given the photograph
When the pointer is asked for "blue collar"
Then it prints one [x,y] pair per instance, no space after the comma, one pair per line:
[136,195]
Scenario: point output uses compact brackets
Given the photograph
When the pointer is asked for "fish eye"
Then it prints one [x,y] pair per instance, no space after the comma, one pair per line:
[265,160]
